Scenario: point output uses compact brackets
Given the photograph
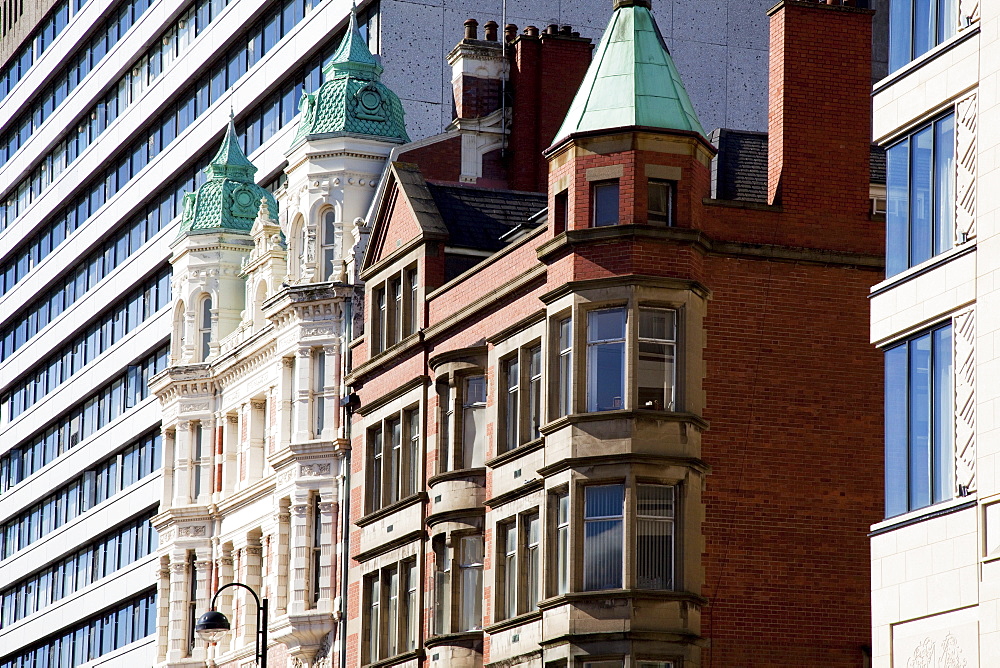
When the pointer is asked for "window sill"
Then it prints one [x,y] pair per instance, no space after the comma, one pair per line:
[511,622]
[626,414]
[923,514]
[611,594]
[376,515]
[463,638]
[516,453]
[459,474]
[398,658]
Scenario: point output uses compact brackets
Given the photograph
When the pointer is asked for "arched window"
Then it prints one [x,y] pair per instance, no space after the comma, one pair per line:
[258,311]
[329,245]
[205,327]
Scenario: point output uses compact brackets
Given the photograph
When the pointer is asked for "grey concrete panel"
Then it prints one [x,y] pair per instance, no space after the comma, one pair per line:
[746,89]
[703,70]
[698,21]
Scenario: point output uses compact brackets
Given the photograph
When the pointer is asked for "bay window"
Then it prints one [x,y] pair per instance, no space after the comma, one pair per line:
[919,432]
[474,422]
[628,541]
[920,195]
[564,377]
[464,595]
[519,577]
[917,26]
[521,403]
[621,355]
[470,568]
[606,359]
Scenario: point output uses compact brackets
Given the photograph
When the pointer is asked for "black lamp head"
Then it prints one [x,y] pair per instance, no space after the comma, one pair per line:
[212,626]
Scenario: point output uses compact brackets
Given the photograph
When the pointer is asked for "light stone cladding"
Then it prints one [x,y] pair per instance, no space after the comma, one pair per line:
[721,50]
[936,570]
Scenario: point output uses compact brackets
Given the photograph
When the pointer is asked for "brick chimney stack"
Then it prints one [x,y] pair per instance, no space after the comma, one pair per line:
[477,67]
[546,71]
[819,116]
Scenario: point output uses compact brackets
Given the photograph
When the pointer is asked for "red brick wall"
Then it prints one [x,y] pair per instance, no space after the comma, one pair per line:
[440,161]
[796,461]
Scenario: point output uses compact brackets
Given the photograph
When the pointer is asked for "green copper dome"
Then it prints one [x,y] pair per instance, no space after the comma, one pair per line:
[352,98]
[632,80]
[230,199]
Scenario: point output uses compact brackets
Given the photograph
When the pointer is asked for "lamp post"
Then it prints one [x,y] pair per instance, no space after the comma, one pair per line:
[213,625]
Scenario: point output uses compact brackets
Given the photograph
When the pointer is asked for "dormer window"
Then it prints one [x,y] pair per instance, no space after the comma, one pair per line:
[604,200]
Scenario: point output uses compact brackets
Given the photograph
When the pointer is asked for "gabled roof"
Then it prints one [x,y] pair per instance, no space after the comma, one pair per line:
[632,80]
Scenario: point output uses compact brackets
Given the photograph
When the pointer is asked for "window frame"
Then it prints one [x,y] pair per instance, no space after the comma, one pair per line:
[598,191]
[904,46]
[904,228]
[906,489]
[390,461]
[670,188]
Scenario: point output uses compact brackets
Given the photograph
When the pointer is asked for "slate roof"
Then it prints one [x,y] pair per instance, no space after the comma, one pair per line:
[740,172]
[632,81]
[478,217]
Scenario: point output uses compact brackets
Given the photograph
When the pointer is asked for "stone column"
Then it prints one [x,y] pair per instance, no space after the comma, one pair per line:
[286,385]
[283,535]
[230,448]
[255,441]
[163,610]
[300,544]
[327,573]
[252,578]
[203,575]
[177,636]
[167,457]
[182,454]
[303,395]
[224,604]
[331,418]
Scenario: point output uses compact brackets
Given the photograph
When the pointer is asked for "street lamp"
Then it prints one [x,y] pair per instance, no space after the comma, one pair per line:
[213,625]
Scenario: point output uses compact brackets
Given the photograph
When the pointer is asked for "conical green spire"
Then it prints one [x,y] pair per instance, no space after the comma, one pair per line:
[632,80]
[230,199]
[352,99]
[353,53]
[231,162]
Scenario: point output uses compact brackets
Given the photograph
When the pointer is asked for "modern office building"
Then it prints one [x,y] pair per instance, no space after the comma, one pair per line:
[609,426]
[109,112]
[936,555]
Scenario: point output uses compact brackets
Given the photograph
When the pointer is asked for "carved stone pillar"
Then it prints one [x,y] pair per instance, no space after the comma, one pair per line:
[224,604]
[252,578]
[331,417]
[286,385]
[255,442]
[167,458]
[177,635]
[327,517]
[230,449]
[163,610]
[182,455]
[303,395]
[300,544]
[283,518]
[203,583]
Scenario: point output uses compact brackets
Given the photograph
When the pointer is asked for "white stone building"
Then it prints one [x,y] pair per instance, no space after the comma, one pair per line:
[936,557]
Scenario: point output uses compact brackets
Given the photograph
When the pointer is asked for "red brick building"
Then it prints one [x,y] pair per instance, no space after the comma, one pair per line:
[623,422]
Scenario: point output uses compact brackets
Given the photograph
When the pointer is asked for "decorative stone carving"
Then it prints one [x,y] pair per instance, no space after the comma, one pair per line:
[308,470]
[284,477]
[318,331]
[966,130]
[197,531]
[178,567]
[923,655]
[964,325]
[951,654]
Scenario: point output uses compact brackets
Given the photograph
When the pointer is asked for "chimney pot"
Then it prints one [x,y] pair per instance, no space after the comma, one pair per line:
[552,29]
[566,30]
[470,28]
[531,31]
[510,32]
[491,30]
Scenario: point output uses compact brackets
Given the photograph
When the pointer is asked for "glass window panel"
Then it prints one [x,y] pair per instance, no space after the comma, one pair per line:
[606,359]
[605,203]
[944,183]
[602,552]
[943,415]
[921,195]
[919,423]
